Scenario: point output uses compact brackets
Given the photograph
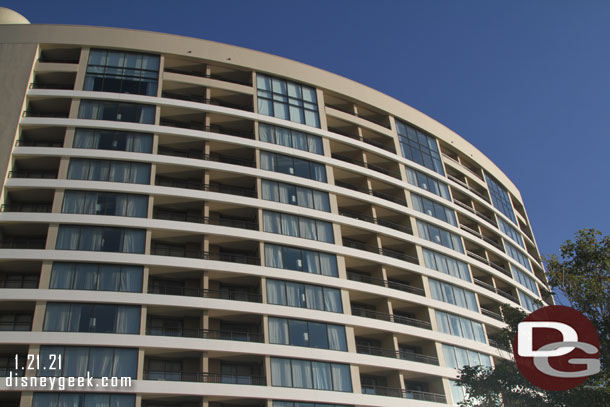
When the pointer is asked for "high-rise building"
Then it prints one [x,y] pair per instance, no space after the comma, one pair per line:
[231,228]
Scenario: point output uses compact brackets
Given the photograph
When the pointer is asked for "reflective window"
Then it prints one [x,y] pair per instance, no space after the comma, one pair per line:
[290,138]
[83,400]
[419,147]
[453,295]
[122,72]
[99,362]
[103,239]
[446,264]
[298,226]
[113,140]
[109,170]
[310,375]
[304,296]
[430,184]
[459,326]
[293,166]
[440,236]
[458,393]
[287,100]
[500,198]
[99,318]
[115,111]
[525,280]
[429,207]
[457,357]
[527,302]
[510,232]
[517,255]
[100,277]
[307,333]
[105,203]
[292,258]
[295,195]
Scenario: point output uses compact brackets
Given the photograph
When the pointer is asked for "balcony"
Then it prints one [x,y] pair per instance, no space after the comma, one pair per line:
[206,220]
[243,336]
[26,207]
[165,181]
[204,377]
[16,322]
[33,174]
[18,280]
[405,394]
[23,243]
[391,353]
[183,251]
[385,283]
[371,192]
[377,221]
[355,244]
[496,290]
[366,165]
[233,295]
[362,312]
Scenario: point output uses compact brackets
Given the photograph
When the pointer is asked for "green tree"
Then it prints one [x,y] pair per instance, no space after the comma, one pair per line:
[582,275]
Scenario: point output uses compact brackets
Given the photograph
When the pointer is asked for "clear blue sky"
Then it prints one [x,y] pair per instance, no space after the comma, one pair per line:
[527,82]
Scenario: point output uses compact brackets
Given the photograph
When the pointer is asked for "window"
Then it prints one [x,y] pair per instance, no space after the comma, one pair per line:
[101,239]
[298,226]
[446,264]
[83,400]
[99,362]
[122,72]
[419,147]
[287,100]
[295,195]
[460,326]
[500,198]
[113,140]
[293,166]
[304,296]
[456,357]
[297,332]
[525,280]
[109,171]
[99,277]
[307,374]
[514,253]
[115,111]
[510,232]
[429,207]
[453,295]
[105,203]
[98,318]
[290,138]
[458,393]
[527,302]
[421,180]
[439,236]
[292,258]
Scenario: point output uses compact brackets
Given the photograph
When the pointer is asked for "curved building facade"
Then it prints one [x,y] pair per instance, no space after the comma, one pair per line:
[231,228]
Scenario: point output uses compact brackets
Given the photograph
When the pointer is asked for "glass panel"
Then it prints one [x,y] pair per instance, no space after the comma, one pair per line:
[336,337]
[301,374]
[341,377]
[322,376]
[281,372]
[318,337]
[278,331]
[298,333]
